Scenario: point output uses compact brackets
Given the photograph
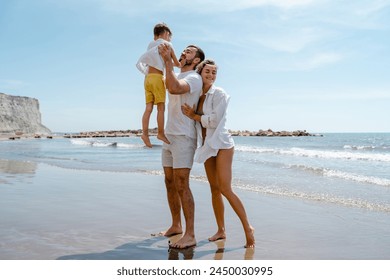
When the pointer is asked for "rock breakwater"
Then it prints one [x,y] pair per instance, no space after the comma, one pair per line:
[271,133]
[138,132]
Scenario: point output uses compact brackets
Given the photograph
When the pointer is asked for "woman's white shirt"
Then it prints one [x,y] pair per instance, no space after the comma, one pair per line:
[214,120]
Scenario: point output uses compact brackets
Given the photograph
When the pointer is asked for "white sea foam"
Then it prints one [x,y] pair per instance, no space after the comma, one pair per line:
[367,147]
[357,177]
[320,197]
[152,172]
[198,178]
[353,147]
[299,152]
[251,149]
[95,143]
[92,143]
[344,175]
[130,146]
[103,144]
[81,142]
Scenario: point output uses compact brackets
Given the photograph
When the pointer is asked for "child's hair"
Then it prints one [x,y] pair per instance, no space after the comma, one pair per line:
[160,28]
[201,65]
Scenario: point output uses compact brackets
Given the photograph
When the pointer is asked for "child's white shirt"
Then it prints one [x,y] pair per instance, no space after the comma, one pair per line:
[152,57]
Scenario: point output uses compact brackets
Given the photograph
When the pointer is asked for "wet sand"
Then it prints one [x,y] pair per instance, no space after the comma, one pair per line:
[49,213]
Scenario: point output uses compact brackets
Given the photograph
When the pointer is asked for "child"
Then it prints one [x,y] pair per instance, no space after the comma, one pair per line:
[152,65]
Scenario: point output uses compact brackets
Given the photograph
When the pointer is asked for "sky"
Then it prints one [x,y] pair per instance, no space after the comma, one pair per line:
[315,65]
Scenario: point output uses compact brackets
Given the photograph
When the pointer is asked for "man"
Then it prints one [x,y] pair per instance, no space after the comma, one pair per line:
[177,157]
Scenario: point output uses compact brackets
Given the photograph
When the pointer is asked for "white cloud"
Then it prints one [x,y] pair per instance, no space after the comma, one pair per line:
[320,59]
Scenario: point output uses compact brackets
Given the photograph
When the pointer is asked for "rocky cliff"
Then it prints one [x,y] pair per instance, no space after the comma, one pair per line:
[20,114]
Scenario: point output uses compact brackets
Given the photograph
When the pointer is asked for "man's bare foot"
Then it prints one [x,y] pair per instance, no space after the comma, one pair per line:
[218,236]
[171,231]
[186,241]
[146,140]
[162,137]
[250,238]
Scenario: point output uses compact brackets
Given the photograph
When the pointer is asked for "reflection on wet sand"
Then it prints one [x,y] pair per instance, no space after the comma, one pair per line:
[248,255]
[17,167]
[13,168]
[155,248]
[188,253]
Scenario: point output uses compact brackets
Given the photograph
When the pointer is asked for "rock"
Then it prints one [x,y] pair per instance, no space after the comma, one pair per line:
[271,133]
[20,115]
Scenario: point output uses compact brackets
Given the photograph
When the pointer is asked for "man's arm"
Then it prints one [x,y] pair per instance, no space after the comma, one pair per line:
[173,85]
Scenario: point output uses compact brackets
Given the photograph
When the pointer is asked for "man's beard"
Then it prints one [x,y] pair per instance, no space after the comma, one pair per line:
[189,62]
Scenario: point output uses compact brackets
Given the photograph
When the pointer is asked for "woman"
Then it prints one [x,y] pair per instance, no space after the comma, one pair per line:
[216,149]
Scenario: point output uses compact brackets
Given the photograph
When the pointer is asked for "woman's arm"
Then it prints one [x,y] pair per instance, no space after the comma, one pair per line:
[190,112]
[212,120]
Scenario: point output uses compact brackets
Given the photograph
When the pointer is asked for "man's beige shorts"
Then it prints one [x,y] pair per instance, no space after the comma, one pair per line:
[180,153]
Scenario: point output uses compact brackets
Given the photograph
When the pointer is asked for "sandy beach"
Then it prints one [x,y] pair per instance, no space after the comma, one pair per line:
[50,213]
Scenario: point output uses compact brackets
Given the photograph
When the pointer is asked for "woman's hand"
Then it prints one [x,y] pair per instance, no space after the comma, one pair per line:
[188,110]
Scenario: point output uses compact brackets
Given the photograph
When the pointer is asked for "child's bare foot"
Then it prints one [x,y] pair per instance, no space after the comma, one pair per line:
[186,241]
[146,140]
[218,236]
[162,137]
[250,238]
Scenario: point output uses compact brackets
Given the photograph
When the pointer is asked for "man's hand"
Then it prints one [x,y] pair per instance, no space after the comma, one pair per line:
[165,51]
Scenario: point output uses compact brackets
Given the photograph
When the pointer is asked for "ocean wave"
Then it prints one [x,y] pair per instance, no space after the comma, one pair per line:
[318,197]
[199,178]
[357,177]
[299,152]
[130,146]
[317,170]
[353,147]
[94,143]
[284,192]
[151,172]
[367,147]
[344,175]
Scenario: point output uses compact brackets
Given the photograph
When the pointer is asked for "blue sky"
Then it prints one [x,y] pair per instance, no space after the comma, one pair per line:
[323,65]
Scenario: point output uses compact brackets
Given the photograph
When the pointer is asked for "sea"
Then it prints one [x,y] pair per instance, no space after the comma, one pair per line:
[346,169]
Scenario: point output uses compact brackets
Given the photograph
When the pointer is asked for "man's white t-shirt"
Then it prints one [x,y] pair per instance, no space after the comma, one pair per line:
[178,123]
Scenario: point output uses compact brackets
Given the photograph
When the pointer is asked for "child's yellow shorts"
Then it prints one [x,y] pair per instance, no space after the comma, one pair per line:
[154,88]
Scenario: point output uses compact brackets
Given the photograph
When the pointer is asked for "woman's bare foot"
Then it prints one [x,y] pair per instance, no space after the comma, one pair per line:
[146,140]
[249,253]
[250,238]
[162,137]
[186,241]
[219,235]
